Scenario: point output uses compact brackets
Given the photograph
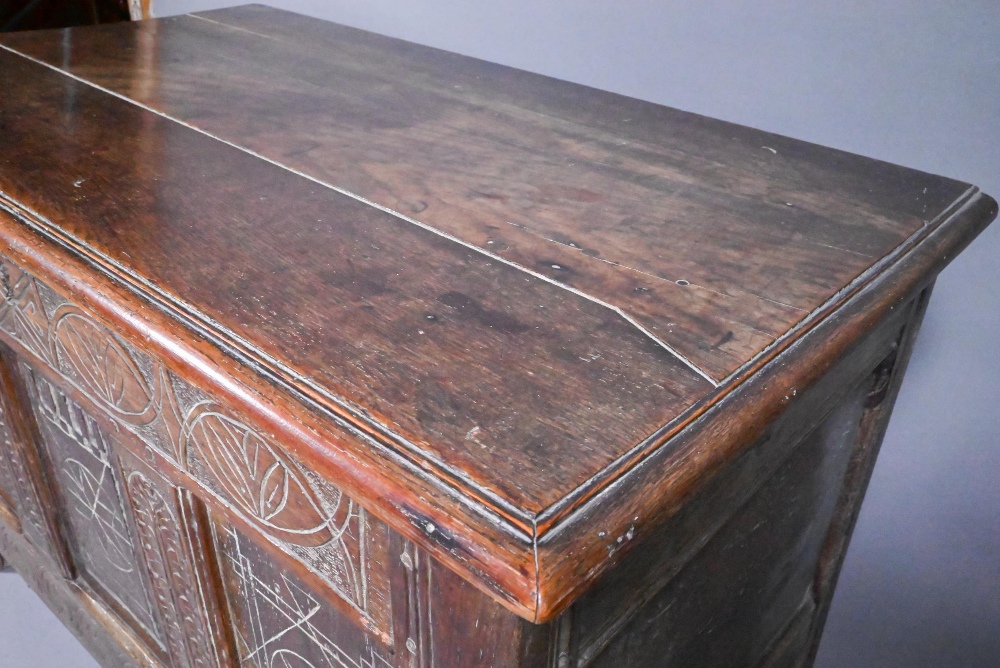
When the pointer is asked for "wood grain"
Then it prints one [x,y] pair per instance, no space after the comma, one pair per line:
[30,490]
[499,311]
[455,353]
[621,594]
[617,198]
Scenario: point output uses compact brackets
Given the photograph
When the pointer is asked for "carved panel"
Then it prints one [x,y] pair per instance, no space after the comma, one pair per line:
[28,496]
[8,489]
[125,383]
[278,622]
[175,567]
[302,515]
[90,493]
[19,486]
[306,517]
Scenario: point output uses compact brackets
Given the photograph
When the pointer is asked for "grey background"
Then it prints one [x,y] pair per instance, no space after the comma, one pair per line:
[909,81]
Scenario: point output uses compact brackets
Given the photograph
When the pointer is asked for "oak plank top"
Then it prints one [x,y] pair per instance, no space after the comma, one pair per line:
[518,283]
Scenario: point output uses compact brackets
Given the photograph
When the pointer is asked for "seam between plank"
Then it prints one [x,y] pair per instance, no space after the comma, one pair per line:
[413,221]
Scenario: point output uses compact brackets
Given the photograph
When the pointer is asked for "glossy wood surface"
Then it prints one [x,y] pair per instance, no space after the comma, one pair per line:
[481,301]
[617,198]
[491,373]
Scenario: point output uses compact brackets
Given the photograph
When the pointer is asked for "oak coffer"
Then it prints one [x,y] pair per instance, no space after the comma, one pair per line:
[322,349]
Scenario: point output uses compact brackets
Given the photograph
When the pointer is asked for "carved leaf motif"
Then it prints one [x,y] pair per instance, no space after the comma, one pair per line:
[170,423]
[101,366]
[257,478]
[304,515]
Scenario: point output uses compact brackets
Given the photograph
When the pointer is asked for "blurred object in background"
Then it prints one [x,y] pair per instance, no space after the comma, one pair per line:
[38,14]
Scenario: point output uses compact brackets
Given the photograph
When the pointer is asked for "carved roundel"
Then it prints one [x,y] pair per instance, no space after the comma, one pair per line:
[91,356]
[256,477]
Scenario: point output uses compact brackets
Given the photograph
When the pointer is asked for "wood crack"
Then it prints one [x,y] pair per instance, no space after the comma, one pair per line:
[449,479]
[413,221]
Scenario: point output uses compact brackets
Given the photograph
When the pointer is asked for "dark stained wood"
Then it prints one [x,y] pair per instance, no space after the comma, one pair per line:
[169,532]
[887,380]
[617,198]
[29,492]
[322,347]
[485,551]
[790,649]
[267,603]
[717,584]
[162,425]
[622,594]
[454,353]
[865,355]
[91,505]
[166,523]
[8,479]
[660,485]
[472,630]
[521,396]
[738,593]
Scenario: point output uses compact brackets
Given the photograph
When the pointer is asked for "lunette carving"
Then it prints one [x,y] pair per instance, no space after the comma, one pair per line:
[324,530]
[304,516]
[100,366]
[256,477]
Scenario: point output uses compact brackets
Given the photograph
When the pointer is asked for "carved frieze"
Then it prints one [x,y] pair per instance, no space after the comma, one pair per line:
[257,478]
[100,366]
[307,518]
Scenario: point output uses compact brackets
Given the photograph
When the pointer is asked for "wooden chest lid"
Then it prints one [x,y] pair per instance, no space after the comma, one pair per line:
[510,290]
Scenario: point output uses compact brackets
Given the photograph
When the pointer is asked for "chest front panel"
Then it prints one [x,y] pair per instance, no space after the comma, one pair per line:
[122,440]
